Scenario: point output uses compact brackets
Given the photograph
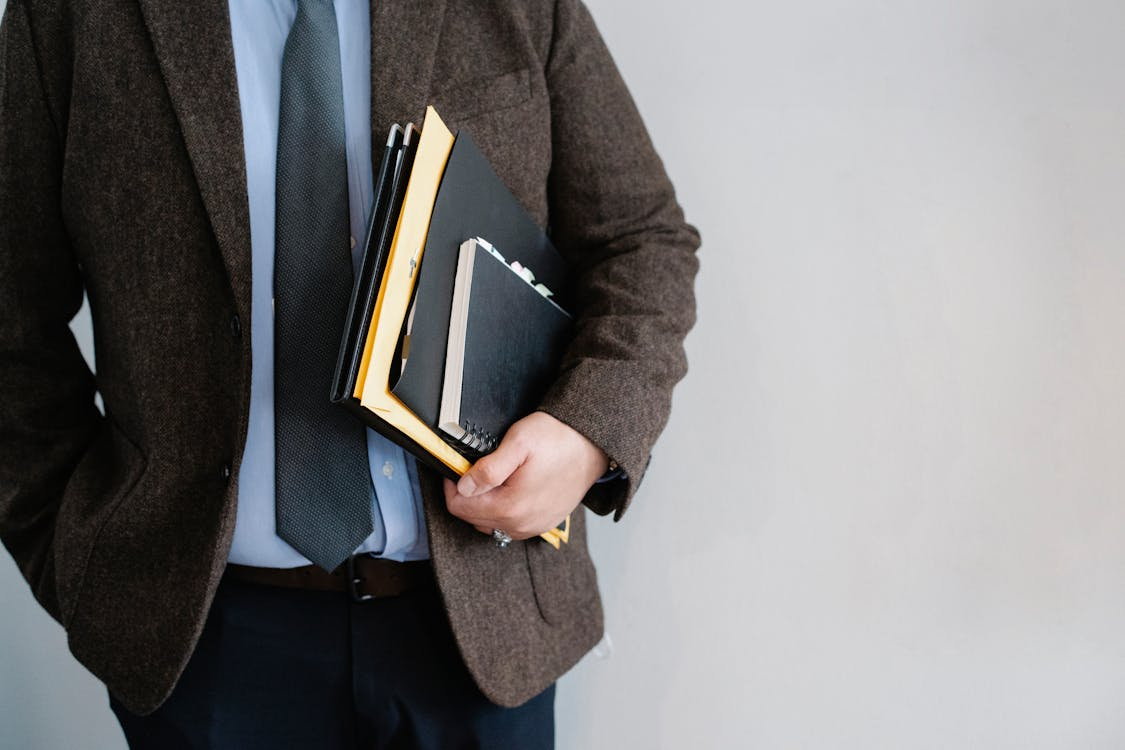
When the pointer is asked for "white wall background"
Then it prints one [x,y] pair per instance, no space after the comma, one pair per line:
[887,512]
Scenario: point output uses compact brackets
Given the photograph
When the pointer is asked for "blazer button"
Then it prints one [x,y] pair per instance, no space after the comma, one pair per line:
[235,326]
[225,472]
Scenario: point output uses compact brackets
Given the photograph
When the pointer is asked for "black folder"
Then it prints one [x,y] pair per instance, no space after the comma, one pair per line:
[471,202]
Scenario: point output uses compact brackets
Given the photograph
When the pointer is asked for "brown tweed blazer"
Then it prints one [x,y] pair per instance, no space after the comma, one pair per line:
[122,174]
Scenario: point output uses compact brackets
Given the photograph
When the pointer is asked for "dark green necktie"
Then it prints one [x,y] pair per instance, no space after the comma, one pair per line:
[323,478]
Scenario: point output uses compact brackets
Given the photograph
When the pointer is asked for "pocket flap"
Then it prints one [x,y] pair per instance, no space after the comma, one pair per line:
[463,99]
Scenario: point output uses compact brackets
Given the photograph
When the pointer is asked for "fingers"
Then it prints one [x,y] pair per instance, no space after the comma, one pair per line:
[462,507]
[494,469]
[485,512]
[497,509]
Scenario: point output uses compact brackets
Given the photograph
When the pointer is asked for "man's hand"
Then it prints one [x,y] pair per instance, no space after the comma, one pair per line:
[536,476]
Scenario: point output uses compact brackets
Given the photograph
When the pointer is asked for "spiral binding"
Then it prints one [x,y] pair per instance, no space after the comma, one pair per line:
[477,438]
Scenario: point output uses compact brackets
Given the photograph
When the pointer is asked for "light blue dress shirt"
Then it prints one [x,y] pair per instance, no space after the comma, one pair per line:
[259,29]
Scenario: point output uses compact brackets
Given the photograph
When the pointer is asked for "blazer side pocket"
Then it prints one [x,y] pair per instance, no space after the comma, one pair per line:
[104,477]
[564,580]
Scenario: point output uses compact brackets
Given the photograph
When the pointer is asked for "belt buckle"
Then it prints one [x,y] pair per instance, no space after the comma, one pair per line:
[354,579]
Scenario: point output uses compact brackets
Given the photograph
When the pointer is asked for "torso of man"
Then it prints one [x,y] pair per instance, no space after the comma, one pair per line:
[125,176]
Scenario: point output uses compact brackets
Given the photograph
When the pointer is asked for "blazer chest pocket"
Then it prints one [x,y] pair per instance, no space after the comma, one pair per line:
[462,100]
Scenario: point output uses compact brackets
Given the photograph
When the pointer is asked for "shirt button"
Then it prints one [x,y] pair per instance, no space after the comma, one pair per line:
[388,470]
[353,241]
[235,326]
[225,472]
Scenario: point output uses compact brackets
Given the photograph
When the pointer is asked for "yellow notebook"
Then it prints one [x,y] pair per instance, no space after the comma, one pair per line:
[403,261]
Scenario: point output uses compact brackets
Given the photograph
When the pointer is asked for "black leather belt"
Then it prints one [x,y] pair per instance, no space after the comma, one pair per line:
[362,577]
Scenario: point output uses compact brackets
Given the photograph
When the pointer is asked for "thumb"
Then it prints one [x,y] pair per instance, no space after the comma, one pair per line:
[492,470]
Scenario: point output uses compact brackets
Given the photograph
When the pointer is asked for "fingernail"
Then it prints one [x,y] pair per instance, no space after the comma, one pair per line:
[467,486]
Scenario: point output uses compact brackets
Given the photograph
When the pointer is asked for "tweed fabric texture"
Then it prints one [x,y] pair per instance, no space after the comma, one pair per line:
[323,482]
[123,174]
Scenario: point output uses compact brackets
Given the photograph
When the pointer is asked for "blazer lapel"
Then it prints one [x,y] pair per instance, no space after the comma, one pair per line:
[192,41]
[193,46]
[404,45]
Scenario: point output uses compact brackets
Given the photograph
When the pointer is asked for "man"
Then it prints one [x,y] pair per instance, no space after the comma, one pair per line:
[132,168]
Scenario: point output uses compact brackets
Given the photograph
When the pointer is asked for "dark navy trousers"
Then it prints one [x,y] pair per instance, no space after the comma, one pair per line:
[286,668]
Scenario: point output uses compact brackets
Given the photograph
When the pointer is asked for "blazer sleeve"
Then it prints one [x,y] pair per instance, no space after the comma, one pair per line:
[614,214]
[47,412]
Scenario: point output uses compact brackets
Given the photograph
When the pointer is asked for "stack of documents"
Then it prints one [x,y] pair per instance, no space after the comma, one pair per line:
[435,194]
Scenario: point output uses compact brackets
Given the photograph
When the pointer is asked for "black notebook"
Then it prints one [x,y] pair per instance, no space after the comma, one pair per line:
[472,201]
[506,337]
